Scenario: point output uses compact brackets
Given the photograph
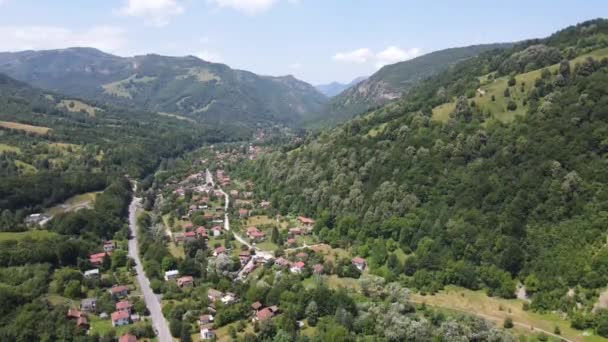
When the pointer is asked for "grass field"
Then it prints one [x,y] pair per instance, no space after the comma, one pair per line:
[33,234]
[121,88]
[24,127]
[497,87]
[9,148]
[25,167]
[478,303]
[334,282]
[331,253]
[259,220]
[77,106]
[175,116]
[85,200]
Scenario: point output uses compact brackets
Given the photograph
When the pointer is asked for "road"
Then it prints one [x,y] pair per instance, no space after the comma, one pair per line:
[239,238]
[158,320]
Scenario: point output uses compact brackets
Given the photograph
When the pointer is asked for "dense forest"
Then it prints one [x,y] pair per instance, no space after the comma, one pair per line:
[477,201]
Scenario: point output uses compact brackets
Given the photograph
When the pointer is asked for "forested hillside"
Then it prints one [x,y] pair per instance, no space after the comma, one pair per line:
[53,147]
[189,86]
[391,82]
[477,200]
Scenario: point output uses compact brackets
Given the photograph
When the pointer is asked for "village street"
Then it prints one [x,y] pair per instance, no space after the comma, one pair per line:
[150,299]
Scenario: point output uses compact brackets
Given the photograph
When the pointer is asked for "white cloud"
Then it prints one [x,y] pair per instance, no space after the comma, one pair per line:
[358,56]
[390,55]
[209,56]
[250,7]
[393,54]
[155,12]
[16,38]
[295,66]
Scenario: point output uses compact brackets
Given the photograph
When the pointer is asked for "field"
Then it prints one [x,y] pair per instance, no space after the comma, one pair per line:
[77,106]
[32,234]
[496,88]
[175,116]
[77,202]
[25,167]
[331,253]
[259,220]
[497,309]
[9,148]
[24,127]
[334,282]
[121,88]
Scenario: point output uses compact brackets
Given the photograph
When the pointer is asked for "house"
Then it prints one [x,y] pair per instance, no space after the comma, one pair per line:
[302,256]
[297,267]
[188,225]
[256,306]
[214,295]
[244,257]
[201,232]
[359,263]
[124,305]
[37,218]
[120,318]
[255,234]
[216,231]
[185,281]
[97,258]
[207,334]
[118,291]
[190,236]
[229,298]
[127,338]
[108,246]
[135,318]
[243,213]
[178,237]
[219,250]
[82,322]
[263,314]
[208,217]
[205,319]
[88,304]
[295,232]
[318,269]
[234,193]
[281,262]
[264,204]
[73,314]
[306,221]
[247,194]
[94,273]
[172,274]
[291,242]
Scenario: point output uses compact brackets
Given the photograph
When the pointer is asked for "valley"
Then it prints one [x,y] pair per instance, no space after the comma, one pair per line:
[454,195]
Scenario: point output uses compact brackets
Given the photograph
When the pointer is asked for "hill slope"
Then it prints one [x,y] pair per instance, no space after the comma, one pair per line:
[392,81]
[335,88]
[476,201]
[177,85]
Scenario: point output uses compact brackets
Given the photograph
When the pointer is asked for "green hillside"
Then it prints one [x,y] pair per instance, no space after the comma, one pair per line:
[188,86]
[475,195]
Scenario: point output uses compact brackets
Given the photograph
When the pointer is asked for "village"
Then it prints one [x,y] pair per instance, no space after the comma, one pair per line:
[243,234]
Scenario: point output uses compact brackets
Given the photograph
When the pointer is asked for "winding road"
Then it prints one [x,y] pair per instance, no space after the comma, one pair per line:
[158,320]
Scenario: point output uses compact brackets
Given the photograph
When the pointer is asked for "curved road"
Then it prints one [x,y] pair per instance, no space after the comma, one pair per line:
[158,320]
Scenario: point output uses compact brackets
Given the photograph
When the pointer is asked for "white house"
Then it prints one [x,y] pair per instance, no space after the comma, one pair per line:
[173,274]
[94,273]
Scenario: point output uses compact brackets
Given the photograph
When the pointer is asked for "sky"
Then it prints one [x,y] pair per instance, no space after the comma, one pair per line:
[318,41]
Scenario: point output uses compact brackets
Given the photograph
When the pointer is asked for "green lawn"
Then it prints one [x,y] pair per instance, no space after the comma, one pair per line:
[334,282]
[267,246]
[9,148]
[33,234]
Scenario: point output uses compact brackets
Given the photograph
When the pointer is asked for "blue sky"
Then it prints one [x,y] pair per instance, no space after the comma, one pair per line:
[318,41]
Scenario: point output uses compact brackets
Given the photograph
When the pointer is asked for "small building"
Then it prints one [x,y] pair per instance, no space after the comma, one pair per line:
[118,291]
[291,242]
[302,256]
[306,221]
[108,246]
[178,237]
[216,231]
[190,236]
[127,338]
[243,213]
[264,204]
[124,305]
[97,258]
[359,263]
[205,319]
[201,232]
[214,295]
[256,306]
[207,334]
[172,274]
[255,234]
[234,193]
[120,318]
[262,315]
[82,322]
[297,267]
[185,281]
[219,250]
[244,257]
[73,314]
[94,273]
[88,304]
[229,298]
[281,262]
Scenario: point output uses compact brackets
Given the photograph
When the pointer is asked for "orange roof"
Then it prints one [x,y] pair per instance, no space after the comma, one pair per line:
[117,315]
[127,338]
[264,314]
[123,305]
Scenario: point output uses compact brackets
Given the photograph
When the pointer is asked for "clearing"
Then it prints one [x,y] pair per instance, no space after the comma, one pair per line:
[74,203]
[497,309]
[77,106]
[9,148]
[122,88]
[32,234]
[25,127]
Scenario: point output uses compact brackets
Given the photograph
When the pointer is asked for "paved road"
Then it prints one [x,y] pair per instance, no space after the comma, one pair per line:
[158,320]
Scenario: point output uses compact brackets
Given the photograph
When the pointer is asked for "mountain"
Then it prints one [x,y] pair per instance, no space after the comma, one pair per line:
[188,86]
[391,82]
[488,174]
[335,88]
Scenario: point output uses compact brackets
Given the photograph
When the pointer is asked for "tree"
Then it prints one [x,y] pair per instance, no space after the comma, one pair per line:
[507,93]
[185,333]
[511,105]
[512,81]
[312,313]
[508,323]
[275,237]
[175,326]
